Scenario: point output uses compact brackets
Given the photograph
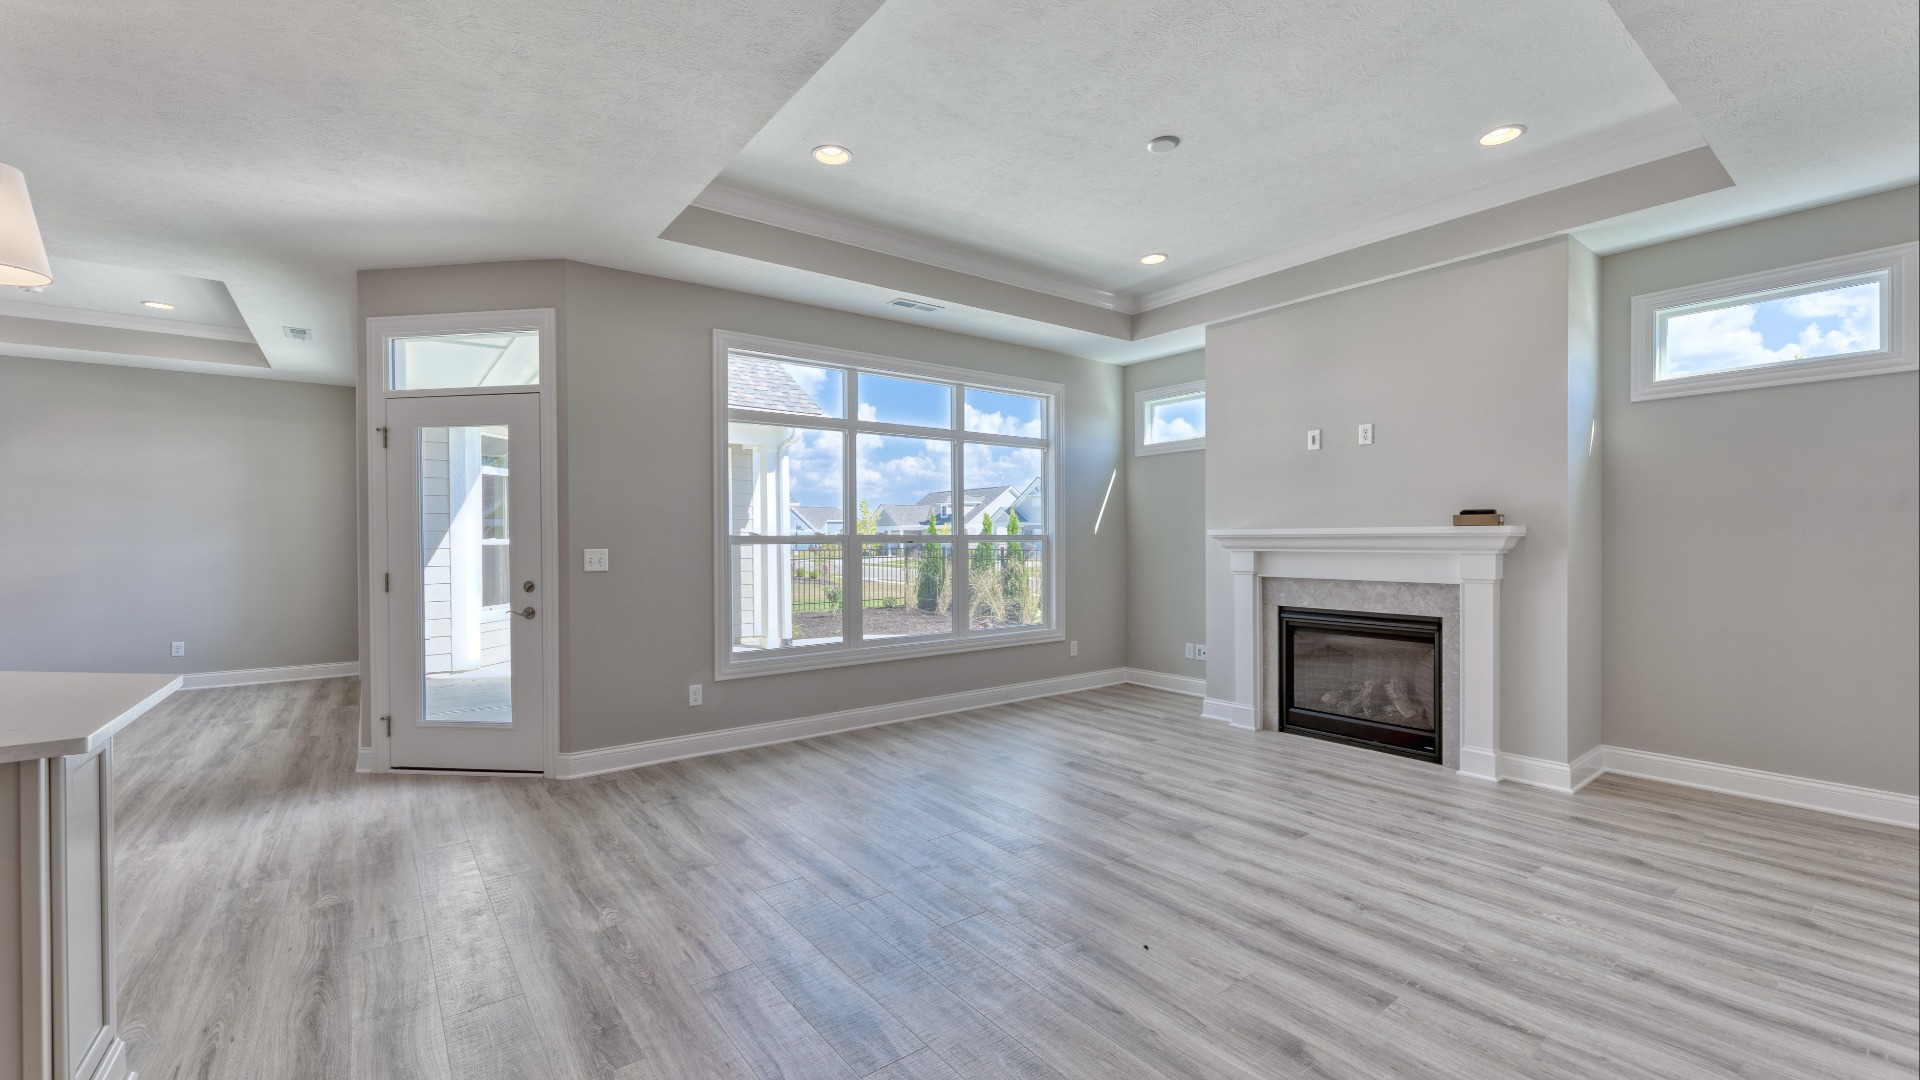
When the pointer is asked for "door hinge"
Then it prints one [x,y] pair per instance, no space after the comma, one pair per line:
[383,438]
[388,720]
[386,582]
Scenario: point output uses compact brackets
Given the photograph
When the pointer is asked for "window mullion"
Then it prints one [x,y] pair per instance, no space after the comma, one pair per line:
[962,591]
[853,605]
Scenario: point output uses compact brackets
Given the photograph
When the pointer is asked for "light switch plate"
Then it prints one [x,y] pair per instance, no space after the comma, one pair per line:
[596,559]
[1313,439]
[1366,434]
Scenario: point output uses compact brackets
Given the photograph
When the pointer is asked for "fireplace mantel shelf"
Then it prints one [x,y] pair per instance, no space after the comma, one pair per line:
[1433,539]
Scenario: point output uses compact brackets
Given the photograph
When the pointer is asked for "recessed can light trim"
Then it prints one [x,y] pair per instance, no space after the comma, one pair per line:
[1503,134]
[157,305]
[832,154]
[1163,144]
[1154,258]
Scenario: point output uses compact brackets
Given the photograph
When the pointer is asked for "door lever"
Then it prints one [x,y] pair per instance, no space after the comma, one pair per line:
[525,613]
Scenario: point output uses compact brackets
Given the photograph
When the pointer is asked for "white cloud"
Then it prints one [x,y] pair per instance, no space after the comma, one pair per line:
[868,412]
[999,423]
[1840,321]
[1174,430]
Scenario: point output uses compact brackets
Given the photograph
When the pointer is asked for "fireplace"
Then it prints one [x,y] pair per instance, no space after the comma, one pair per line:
[1361,678]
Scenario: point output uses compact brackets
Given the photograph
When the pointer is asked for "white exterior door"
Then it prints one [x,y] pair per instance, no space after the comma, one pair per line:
[465,600]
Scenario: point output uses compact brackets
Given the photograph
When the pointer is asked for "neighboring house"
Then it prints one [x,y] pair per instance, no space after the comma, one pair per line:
[983,504]
[465,548]
[817,519]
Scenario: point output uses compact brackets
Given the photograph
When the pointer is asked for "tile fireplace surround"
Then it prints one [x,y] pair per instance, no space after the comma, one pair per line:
[1468,557]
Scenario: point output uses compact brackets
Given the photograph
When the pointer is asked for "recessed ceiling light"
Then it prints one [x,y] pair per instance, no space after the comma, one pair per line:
[829,154]
[1503,134]
[157,305]
[1154,259]
[1161,144]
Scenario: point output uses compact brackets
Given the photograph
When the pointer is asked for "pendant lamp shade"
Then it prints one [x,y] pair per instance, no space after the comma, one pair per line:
[23,258]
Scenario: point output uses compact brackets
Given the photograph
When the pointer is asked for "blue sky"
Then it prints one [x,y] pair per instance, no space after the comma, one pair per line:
[1831,322]
[901,469]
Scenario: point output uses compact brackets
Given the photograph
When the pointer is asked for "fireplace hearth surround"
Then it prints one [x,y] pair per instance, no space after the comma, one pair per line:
[1470,558]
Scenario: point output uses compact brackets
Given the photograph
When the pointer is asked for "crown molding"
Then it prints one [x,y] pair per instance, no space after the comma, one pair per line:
[152,324]
[1637,142]
[782,215]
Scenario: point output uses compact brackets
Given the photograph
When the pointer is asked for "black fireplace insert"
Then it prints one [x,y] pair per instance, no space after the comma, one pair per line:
[1355,677]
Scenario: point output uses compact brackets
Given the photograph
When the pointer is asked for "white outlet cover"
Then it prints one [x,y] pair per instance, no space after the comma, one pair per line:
[1199,652]
[179,648]
[694,694]
[1366,434]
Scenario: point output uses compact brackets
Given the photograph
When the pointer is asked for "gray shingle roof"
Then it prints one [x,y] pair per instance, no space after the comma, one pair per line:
[974,495]
[756,383]
[817,517]
[902,516]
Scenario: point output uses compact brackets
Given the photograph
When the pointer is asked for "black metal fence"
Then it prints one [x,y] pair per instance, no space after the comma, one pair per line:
[1006,579]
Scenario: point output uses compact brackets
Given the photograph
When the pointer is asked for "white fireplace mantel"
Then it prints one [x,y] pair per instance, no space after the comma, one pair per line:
[1469,556]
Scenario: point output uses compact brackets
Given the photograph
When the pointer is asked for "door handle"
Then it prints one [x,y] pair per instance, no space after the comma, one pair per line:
[525,613]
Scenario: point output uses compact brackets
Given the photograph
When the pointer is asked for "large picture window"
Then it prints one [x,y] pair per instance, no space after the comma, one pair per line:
[1831,319]
[870,508]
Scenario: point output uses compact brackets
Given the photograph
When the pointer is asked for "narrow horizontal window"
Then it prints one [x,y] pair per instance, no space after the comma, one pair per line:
[455,361]
[1170,418]
[1831,319]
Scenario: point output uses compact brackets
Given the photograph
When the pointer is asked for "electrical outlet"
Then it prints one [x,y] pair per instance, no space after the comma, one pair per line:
[694,694]
[1366,434]
[1073,648]
[596,560]
[1189,650]
[1199,652]
[1313,439]
[179,648]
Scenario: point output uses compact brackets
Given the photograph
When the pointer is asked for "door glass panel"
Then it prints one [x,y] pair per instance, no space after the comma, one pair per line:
[466,575]
[446,361]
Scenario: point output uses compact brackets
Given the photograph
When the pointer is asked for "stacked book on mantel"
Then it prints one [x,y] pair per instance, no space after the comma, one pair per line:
[1479,517]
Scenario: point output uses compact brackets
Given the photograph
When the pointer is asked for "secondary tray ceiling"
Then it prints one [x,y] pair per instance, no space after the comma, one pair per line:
[1017,129]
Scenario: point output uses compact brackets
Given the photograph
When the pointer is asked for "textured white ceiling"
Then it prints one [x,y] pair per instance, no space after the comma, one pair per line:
[1016,128]
[1803,101]
[281,147]
[278,148]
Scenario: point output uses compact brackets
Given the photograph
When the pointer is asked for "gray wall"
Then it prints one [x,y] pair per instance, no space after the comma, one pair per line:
[1465,373]
[1166,508]
[142,507]
[636,384]
[1763,546]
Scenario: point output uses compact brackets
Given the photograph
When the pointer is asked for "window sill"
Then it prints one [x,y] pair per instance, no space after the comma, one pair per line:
[1146,449]
[836,657]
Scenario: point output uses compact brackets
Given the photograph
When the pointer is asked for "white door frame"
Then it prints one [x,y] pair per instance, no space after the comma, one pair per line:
[377,682]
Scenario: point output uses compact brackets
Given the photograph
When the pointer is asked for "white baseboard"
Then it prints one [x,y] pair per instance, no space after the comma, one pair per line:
[1230,712]
[1552,775]
[1587,768]
[1890,807]
[249,676]
[1160,680]
[654,751]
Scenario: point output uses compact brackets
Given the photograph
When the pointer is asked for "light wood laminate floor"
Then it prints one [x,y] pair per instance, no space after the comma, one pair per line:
[1099,886]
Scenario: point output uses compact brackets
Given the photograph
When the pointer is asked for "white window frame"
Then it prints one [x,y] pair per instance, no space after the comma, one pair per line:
[1897,265]
[852,649]
[1143,403]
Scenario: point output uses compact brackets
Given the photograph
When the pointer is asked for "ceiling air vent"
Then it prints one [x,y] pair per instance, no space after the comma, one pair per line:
[916,305]
[298,333]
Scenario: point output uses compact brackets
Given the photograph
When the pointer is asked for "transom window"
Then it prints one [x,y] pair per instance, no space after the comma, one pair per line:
[1831,319]
[1170,418]
[872,508]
